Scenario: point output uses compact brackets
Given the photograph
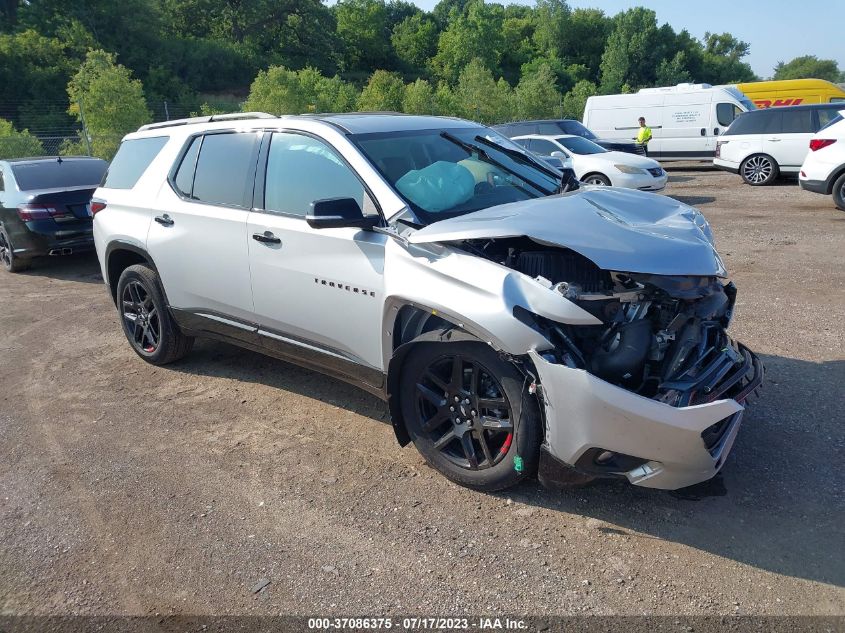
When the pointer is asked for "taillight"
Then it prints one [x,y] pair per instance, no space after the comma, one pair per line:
[29,212]
[719,147]
[818,143]
[96,206]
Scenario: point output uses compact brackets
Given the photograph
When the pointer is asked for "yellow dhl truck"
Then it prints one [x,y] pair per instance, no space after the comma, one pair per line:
[788,92]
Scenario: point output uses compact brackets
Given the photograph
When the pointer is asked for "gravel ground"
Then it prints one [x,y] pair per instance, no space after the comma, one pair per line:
[131,489]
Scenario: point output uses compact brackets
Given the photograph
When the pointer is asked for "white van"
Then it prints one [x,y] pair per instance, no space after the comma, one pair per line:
[684,119]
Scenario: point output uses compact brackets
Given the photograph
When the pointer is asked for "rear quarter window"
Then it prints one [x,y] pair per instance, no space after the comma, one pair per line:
[131,161]
[797,121]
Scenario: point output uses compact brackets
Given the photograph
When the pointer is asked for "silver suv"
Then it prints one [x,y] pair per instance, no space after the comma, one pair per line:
[513,327]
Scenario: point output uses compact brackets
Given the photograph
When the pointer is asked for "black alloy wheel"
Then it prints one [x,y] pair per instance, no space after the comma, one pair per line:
[145,318]
[470,415]
[141,319]
[464,412]
[8,259]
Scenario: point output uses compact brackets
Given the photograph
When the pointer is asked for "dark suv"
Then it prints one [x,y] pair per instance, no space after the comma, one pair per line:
[44,207]
[556,127]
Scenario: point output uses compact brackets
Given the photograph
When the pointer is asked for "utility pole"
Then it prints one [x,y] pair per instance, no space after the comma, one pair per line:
[84,127]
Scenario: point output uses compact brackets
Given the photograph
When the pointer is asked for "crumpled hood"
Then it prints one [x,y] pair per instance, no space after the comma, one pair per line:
[618,229]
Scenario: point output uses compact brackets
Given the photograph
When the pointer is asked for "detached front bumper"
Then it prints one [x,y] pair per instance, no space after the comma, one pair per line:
[659,445]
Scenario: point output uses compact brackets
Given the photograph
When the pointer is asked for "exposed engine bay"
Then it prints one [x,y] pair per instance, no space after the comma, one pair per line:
[662,337]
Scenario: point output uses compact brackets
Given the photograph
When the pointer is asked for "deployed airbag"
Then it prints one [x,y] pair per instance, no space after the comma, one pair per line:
[441,185]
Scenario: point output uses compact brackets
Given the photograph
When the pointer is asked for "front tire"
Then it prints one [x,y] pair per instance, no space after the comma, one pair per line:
[759,170]
[839,193]
[469,414]
[8,259]
[597,179]
[146,320]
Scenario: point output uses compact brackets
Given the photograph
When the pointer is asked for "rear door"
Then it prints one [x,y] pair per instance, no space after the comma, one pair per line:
[790,143]
[198,238]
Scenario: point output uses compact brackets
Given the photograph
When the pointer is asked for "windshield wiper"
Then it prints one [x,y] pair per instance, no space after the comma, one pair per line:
[482,153]
[522,156]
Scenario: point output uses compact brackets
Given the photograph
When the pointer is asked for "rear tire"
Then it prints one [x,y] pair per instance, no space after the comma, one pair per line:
[596,179]
[758,170]
[146,320]
[10,261]
[839,193]
[469,414]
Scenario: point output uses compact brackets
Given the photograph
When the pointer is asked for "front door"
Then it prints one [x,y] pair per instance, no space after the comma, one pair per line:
[317,292]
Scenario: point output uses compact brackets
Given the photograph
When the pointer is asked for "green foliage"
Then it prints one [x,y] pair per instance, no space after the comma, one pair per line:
[384,92]
[576,99]
[415,40]
[536,96]
[110,100]
[480,97]
[279,90]
[362,28]
[476,34]
[15,144]
[809,67]
[419,98]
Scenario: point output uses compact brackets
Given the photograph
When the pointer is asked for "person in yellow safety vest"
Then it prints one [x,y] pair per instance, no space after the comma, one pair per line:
[644,135]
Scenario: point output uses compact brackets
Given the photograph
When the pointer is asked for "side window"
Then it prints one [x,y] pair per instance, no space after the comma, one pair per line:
[184,179]
[225,169]
[797,121]
[527,143]
[771,122]
[302,169]
[544,147]
[826,115]
[131,161]
[726,113]
[551,129]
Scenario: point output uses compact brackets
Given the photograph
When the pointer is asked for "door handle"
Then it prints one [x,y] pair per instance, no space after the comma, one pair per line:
[703,132]
[164,220]
[266,238]
[715,131]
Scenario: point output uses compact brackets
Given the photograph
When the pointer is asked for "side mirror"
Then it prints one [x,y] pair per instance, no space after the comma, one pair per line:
[332,213]
[559,155]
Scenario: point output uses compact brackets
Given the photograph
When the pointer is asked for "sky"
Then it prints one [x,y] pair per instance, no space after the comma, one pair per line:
[777,30]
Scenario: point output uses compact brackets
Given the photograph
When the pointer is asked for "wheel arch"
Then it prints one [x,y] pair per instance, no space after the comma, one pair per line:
[834,176]
[120,256]
[775,164]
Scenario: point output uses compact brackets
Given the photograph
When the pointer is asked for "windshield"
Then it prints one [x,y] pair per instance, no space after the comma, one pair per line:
[578,145]
[447,173]
[748,104]
[55,174]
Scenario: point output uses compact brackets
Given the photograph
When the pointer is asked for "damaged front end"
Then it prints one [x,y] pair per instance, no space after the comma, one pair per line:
[654,392]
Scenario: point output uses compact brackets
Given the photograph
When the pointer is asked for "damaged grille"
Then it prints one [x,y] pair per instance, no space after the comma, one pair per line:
[564,265]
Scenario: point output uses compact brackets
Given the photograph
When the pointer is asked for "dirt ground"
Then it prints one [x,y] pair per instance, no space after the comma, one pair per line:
[131,489]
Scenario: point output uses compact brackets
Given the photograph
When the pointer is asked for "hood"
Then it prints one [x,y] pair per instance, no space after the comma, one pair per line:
[618,229]
[625,158]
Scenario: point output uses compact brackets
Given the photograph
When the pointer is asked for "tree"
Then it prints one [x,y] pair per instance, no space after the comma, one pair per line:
[363,30]
[536,96]
[415,40]
[111,101]
[634,50]
[383,92]
[552,20]
[576,99]
[809,67]
[15,144]
[276,90]
[480,97]
[673,71]
[419,98]
[475,34]
[722,60]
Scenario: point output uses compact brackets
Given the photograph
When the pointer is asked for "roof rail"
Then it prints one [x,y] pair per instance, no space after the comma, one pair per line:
[233,116]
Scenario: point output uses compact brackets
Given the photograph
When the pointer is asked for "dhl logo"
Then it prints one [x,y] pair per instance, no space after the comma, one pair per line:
[768,103]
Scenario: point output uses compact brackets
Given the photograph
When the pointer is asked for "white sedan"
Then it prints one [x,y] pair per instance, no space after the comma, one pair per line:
[595,165]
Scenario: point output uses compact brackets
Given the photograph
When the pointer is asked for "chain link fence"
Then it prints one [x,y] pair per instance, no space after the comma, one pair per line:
[43,139]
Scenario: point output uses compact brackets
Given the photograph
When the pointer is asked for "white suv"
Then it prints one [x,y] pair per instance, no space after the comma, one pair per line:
[823,170]
[514,327]
[762,144]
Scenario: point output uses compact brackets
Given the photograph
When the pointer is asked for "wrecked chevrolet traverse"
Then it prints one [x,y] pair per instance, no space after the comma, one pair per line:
[517,324]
